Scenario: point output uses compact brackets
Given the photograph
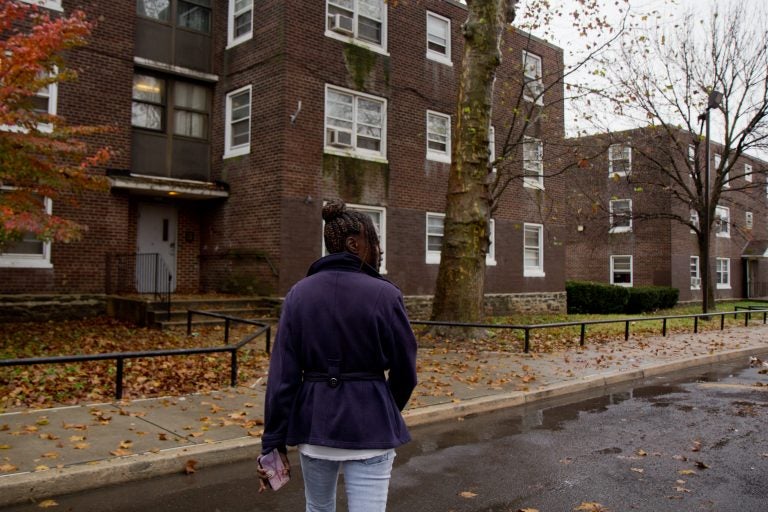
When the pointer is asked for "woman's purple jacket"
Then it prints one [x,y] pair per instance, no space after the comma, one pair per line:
[346,321]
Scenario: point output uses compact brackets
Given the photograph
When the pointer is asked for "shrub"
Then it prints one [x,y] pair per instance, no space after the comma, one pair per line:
[643,299]
[595,298]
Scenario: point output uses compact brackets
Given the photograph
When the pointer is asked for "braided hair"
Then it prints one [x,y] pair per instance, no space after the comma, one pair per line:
[341,223]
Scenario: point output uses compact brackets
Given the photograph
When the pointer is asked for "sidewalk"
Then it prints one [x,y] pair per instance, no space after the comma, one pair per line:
[56,451]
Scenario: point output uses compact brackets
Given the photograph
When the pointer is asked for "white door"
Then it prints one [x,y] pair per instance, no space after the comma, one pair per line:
[156,235]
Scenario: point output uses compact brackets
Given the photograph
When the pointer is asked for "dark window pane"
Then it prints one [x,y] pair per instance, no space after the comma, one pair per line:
[193,17]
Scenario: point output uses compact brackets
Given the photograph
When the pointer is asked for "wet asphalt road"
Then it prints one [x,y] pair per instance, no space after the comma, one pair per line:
[695,442]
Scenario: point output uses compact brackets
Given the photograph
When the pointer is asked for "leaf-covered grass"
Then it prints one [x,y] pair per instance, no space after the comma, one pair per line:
[54,384]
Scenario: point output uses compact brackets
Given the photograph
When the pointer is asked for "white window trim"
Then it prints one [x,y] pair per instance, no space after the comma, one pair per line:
[492,147]
[631,269]
[53,103]
[530,181]
[231,39]
[611,159]
[620,229]
[355,152]
[442,58]
[540,99]
[748,173]
[54,5]
[432,257]
[727,284]
[749,220]
[30,261]
[439,156]
[490,257]
[242,149]
[538,270]
[382,49]
[695,219]
[727,217]
[362,208]
[695,285]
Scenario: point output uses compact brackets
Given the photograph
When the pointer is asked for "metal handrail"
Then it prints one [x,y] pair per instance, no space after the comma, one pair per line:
[584,323]
[119,357]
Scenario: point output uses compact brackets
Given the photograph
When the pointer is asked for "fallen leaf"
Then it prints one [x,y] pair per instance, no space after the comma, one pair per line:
[591,506]
[641,453]
[41,467]
[162,436]
[47,504]
[527,510]
[120,452]
[467,494]
[701,465]
[638,470]
[686,472]
[682,489]
[190,466]
[126,444]
[74,439]
[50,455]
[49,437]
[81,446]
[5,447]
[696,446]
[7,468]
[75,426]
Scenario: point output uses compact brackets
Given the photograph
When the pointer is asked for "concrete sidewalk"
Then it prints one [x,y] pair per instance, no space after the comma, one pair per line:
[56,451]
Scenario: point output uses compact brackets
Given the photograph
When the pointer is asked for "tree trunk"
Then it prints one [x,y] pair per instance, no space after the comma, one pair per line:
[461,276]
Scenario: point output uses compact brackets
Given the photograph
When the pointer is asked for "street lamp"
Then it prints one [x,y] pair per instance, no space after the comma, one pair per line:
[715,97]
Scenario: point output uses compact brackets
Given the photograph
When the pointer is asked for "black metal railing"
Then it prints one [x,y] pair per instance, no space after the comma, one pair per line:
[140,273]
[746,311]
[120,357]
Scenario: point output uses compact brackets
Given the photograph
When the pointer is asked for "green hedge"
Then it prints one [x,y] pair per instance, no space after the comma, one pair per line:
[601,298]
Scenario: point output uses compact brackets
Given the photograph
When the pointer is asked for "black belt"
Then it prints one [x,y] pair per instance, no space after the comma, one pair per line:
[334,380]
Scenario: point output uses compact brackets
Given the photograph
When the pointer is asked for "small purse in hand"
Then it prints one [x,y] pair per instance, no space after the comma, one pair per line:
[277,474]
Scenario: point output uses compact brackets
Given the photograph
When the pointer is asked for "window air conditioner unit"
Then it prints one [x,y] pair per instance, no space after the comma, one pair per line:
[695,282]
[341,24]
[339,138]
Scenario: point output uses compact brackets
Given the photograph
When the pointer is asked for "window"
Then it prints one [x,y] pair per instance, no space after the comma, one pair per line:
[492,147]
[748,173]
[379,217]
[54,5]
[362,21]
[438,137]
[533,86]
[237,136]
[748,220]
[439,38]
[621,215]
[435,232]
[190,103]
[148,106]
[723,273]
[694,271]
[723,222]
[726,178]
[45,102]
[29,252]
[490,257]
[194,15]
[533,250]
[159,10]
[691,153]
[694,220]
[621,270]
[355,124]
[533,163]
[619,160]
[240,26]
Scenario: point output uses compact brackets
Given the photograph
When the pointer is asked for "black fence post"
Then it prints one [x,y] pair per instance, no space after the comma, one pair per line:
[696,324]
[583,329]
[746,318]
[119,379]
[233,369]
[189,322]
[722,321]
[527,345]
[626,330]
[664,327]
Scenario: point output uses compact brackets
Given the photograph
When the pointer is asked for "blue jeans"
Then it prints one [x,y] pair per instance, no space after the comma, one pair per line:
[366,482]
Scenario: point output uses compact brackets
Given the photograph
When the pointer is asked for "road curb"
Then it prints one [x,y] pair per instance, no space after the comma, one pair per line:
[23,487]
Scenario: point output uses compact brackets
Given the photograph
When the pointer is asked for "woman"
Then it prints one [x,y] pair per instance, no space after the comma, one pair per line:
[341,328]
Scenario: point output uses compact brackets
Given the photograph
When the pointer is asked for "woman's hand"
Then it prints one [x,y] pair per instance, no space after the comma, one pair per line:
[262,473]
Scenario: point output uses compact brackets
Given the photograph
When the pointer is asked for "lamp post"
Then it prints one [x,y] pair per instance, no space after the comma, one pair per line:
[715,97]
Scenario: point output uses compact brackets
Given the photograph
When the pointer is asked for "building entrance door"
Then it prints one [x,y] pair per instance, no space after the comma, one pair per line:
[156,248]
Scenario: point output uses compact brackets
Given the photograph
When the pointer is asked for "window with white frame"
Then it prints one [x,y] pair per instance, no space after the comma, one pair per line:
[619,160]
[748,172]
[533,250]
[492,147]
[692,160]
[438,38]
[29,251]
[723,222]
[533,163]
[694,220]
[192,15]
[621,270]
[532,83]
[355,123]
[378,216]
[490,257]
[435,233]
[361,21]
[748,220]
[694,271]
[237,128]
[240,22]
[54,5]
[723,273]
[148,102]
[438,137]
[621,215]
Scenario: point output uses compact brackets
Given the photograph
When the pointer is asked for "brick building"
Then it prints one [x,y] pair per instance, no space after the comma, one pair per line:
[237,119]
[624,223]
